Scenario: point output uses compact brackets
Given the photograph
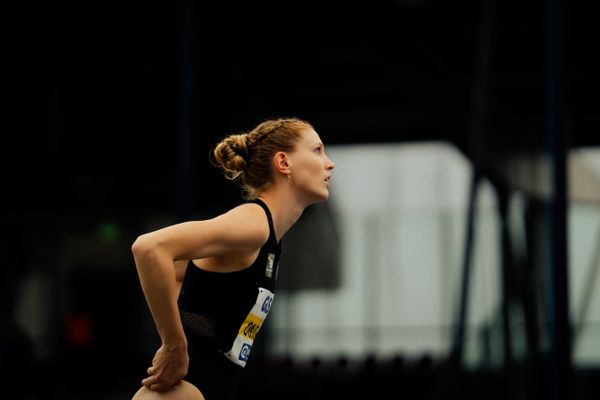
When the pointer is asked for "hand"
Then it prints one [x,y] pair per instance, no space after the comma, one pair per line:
[169,366]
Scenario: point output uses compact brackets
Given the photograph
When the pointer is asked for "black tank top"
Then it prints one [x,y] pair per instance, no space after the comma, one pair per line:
[229,308]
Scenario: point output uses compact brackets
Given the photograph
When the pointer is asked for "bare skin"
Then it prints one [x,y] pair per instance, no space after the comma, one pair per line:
[181,391]
[226,243]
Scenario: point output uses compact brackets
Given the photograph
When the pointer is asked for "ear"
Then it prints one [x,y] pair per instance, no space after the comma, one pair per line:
[281,163]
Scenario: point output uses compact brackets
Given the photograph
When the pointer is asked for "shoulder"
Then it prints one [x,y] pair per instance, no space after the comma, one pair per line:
[249,210]
[248,220]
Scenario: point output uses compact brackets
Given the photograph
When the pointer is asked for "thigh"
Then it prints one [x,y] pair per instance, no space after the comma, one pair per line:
[182,391]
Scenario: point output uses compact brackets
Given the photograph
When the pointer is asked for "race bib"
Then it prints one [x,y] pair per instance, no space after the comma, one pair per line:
[245,338]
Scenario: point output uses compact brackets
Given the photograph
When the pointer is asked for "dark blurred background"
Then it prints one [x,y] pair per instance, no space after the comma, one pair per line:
[108,111]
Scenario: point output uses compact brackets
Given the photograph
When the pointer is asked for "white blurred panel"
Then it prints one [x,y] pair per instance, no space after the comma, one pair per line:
[400,209]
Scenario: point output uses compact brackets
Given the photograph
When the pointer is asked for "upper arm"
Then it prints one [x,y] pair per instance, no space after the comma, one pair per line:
[241,230]
[180,267]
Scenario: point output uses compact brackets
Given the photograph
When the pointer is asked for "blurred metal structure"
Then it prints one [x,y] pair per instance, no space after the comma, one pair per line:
[552,269]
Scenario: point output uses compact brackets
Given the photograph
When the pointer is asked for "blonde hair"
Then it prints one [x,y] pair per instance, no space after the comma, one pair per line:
[246,157]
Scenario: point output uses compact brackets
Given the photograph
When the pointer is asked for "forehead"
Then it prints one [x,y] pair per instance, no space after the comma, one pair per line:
[310,136]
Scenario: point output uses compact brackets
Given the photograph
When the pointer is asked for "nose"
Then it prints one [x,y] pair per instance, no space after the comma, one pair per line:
[330,164]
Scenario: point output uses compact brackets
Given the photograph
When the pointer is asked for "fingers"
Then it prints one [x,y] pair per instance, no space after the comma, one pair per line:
[149,381]
[160,387]
[157,383]
[164,386]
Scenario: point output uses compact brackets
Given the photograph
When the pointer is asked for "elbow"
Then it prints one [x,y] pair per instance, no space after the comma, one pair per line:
[143,246]
[149,249]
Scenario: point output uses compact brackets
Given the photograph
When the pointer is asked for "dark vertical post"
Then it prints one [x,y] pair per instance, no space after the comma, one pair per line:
[458,345]
[508,276]
[529,267]
[559,379]
[476,131]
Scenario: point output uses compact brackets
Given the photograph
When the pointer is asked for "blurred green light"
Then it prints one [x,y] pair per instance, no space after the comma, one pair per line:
[108,231]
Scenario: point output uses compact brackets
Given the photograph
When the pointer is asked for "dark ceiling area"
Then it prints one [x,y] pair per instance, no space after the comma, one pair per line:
[114,106]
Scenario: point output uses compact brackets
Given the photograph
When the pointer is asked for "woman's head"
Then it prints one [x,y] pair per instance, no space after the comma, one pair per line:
[247,157]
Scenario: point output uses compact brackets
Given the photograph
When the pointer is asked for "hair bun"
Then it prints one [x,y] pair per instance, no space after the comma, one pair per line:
[241,151]
[232,155]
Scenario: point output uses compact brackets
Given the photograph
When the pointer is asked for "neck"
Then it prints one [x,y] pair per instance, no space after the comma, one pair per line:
[285,208]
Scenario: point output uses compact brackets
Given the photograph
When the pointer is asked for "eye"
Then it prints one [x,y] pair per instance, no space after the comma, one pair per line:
[318,149]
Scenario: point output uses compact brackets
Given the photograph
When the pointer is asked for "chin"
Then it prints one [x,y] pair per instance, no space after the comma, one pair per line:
[314,196]
[323,196]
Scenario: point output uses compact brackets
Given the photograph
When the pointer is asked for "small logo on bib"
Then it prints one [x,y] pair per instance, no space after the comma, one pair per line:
[244,352]
[270,262]
[266,305]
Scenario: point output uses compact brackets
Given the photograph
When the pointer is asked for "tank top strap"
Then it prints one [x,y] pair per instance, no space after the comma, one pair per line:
[272,236]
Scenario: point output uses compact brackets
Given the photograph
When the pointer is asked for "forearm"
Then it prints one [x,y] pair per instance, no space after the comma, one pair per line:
[157,276]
